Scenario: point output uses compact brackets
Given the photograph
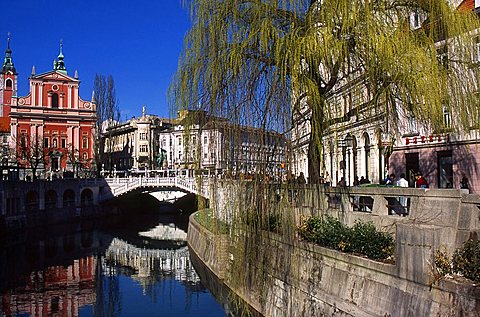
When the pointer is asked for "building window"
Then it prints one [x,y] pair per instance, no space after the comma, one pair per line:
[442,56]
[416,20]
[143,136]
[447,119]
[64,143]
[412,124]
[23,138]
[55,100]
[205,140]
[84,142]
[46,142]
[144,148]
[445,169]
[8,83]
[476,53]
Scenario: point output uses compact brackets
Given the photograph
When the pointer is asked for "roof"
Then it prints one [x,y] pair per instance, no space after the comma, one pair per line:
[466,5]
[54,75]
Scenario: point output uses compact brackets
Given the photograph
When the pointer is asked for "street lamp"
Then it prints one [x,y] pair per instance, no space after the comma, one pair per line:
[345,144]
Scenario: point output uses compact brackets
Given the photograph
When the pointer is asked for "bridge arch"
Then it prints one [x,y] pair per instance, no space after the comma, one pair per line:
[32,203]
[50,199]
[86,197]
[68,198]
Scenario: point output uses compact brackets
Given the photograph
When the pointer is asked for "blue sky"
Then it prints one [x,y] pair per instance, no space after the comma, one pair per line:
[137,42]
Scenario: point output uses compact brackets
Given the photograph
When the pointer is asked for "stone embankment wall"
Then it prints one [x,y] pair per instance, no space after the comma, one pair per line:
[302,279]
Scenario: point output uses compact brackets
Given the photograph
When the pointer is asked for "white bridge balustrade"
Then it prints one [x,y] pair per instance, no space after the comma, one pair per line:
[119,186]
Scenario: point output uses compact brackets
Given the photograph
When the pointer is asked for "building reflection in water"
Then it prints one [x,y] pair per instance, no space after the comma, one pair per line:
[54,291]
[79,276]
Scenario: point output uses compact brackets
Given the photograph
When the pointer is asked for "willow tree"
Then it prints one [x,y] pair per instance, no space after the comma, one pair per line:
[258,62]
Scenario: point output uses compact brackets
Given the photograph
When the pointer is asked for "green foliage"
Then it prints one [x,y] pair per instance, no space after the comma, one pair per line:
[206,218]
[367,240]
[255,62]
[363,238]
[256,221]
[467,260]
[443,264]
[274,222]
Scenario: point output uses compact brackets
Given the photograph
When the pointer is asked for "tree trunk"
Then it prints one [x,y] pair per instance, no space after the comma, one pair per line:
[315,144]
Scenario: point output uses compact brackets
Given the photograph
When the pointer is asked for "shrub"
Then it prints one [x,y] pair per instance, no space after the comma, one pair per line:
[367,240]
[443,264]
[363,238]
[466,260]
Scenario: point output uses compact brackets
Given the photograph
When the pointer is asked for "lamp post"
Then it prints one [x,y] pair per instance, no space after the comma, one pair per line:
[345,145]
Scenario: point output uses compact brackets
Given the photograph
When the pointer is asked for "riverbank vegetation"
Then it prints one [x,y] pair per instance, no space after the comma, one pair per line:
[206,218]
[362,238]
[465,262]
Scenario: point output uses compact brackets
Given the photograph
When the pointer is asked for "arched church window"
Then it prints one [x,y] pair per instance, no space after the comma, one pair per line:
[8,83]
[55,100]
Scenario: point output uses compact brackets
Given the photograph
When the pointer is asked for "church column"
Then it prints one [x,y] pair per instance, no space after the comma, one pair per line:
[75,98]
[49,102]
[40,94]
[70,134]
[69,97]
[76,137]
[13,129]
[33,89]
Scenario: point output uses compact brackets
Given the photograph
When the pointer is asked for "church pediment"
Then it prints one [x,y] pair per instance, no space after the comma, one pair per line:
[54,76]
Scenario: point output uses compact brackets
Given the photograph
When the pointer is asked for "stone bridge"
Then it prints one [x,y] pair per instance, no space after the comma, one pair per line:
[121,186]
[24,204]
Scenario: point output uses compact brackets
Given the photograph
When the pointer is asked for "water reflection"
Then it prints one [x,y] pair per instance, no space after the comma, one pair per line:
[100,272]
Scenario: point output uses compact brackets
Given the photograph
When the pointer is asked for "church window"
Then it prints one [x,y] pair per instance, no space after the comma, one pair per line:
[46,142]
[54,142]
[55,100]
[85,142]
[64,143]
[8,83]
[84,156]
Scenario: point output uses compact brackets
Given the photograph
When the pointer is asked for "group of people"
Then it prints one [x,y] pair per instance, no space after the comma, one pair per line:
[420,181]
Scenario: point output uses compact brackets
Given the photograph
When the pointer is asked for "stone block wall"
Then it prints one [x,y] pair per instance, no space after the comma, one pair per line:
[308,280]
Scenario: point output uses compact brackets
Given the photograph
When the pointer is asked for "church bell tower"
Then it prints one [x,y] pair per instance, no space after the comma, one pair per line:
[8,82]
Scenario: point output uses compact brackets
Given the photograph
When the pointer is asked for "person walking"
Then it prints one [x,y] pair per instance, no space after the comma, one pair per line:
[402,182]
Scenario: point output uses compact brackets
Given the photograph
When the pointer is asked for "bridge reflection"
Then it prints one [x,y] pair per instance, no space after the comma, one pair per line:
[152,265]
[84,271]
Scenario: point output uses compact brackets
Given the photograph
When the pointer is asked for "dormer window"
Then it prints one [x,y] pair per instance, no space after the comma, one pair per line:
[8,83]
[55,100]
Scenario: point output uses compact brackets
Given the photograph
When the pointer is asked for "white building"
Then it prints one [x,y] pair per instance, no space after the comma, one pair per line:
[133,146]
[199,141]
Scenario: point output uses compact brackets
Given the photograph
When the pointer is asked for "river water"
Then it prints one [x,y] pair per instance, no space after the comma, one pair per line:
[132,265]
